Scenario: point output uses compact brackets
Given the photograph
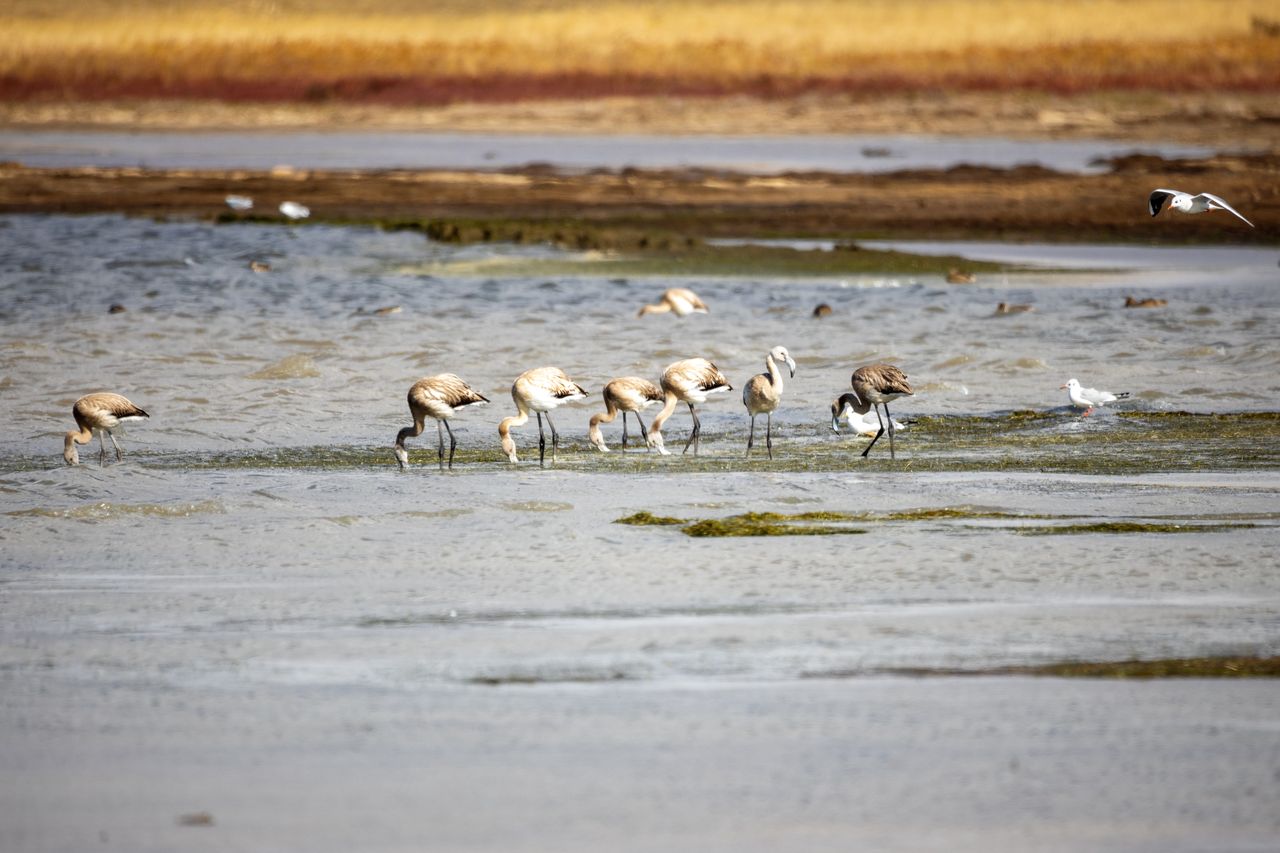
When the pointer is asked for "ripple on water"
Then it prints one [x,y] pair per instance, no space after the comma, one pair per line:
[290,367]
[107,511]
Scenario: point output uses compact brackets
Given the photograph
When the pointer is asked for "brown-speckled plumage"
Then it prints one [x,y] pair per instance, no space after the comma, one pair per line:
[763,392]
[875,385]
[101,413]
[625,394]
[680,300]
[690,380]
[436,397]
[538,390]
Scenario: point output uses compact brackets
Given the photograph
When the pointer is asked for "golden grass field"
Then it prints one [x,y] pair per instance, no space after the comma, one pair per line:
[398,52]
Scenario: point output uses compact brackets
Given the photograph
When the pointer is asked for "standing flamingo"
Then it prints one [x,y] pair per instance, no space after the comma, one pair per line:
[690,380]
[437,397]
[538,390]
[874,386]
[763,393]
[102,413]
[626,394]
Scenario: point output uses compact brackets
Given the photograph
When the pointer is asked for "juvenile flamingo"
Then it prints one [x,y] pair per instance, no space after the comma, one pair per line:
[763,393]
[874,386]
[626,394]
[437,397]
[680,300]
[538,390]
[100,413]
[690,380]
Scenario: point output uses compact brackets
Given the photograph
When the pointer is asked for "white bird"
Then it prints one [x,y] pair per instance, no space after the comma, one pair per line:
[873,387]
[239,202]
[102,413]
[1088,398]
[1187,203]
[625,394]
[538,390]
[763,392]
[437,397]
[680,300]
[845,406]
[690,380]
[293,210]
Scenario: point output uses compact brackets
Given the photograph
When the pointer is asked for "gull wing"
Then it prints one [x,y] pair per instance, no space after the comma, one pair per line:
[1156,200]
[1214,201]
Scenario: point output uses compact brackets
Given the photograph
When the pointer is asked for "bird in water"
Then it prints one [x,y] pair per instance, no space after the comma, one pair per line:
[102,413]
[538,390]
[678,300]
[625,394]
[437,397]
[690,381]
[1014,308]
[763,392]
[293,210]
[1148,302]
[846,406]
[1188,203]
[1088,398]
[873,387]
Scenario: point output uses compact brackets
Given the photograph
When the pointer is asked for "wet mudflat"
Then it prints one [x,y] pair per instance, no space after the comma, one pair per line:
[257,618]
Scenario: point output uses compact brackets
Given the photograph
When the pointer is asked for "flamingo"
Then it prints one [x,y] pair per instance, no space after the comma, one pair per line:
[680,300]
[763,392]
[438,397]
[538,390]
[626,394]
[874,386]
[690,380]
[101,413]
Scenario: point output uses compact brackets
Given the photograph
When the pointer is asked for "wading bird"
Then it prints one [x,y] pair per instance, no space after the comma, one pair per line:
[690,381]
[1149,302]
[873,387]
[1188,203]
[763,392]
[1088,398]
[436,397]
[680,300]
[1013,308]
[846,406]
[538,390]
[626,394]
[101,413]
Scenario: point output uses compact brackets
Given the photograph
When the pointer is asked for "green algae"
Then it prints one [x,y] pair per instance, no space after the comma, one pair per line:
[765,524]
[1129,527]
[1207,667]
[648,518]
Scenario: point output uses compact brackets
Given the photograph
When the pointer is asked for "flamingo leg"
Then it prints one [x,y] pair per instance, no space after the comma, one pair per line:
[112,436]
[542,443]
[624,429]
[693,434]
[440,446]
[751,436]
[878,434]
[102,442]
[888,417]
[555,439]
[768,432]
[644,433]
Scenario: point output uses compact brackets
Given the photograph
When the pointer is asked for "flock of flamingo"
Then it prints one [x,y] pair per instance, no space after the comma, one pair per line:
[691,381]
[542,389]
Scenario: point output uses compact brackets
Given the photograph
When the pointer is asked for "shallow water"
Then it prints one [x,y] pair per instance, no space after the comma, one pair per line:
[757,154]
[257,592]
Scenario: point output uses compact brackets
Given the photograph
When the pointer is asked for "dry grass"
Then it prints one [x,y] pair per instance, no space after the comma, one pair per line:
[524,48]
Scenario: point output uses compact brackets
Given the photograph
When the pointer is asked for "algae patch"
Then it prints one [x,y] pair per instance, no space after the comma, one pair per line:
[647,518]
[1129,527]
[766,524]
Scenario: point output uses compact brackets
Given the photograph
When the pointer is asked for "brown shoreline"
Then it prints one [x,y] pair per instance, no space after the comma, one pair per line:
[1024,203]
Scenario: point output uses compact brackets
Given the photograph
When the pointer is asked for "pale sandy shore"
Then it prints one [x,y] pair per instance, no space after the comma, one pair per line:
[1246,120]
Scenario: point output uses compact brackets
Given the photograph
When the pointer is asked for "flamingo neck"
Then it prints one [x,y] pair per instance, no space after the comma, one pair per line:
[775,375]
[606,417]
[74,437]
[504,428]
[660,308]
